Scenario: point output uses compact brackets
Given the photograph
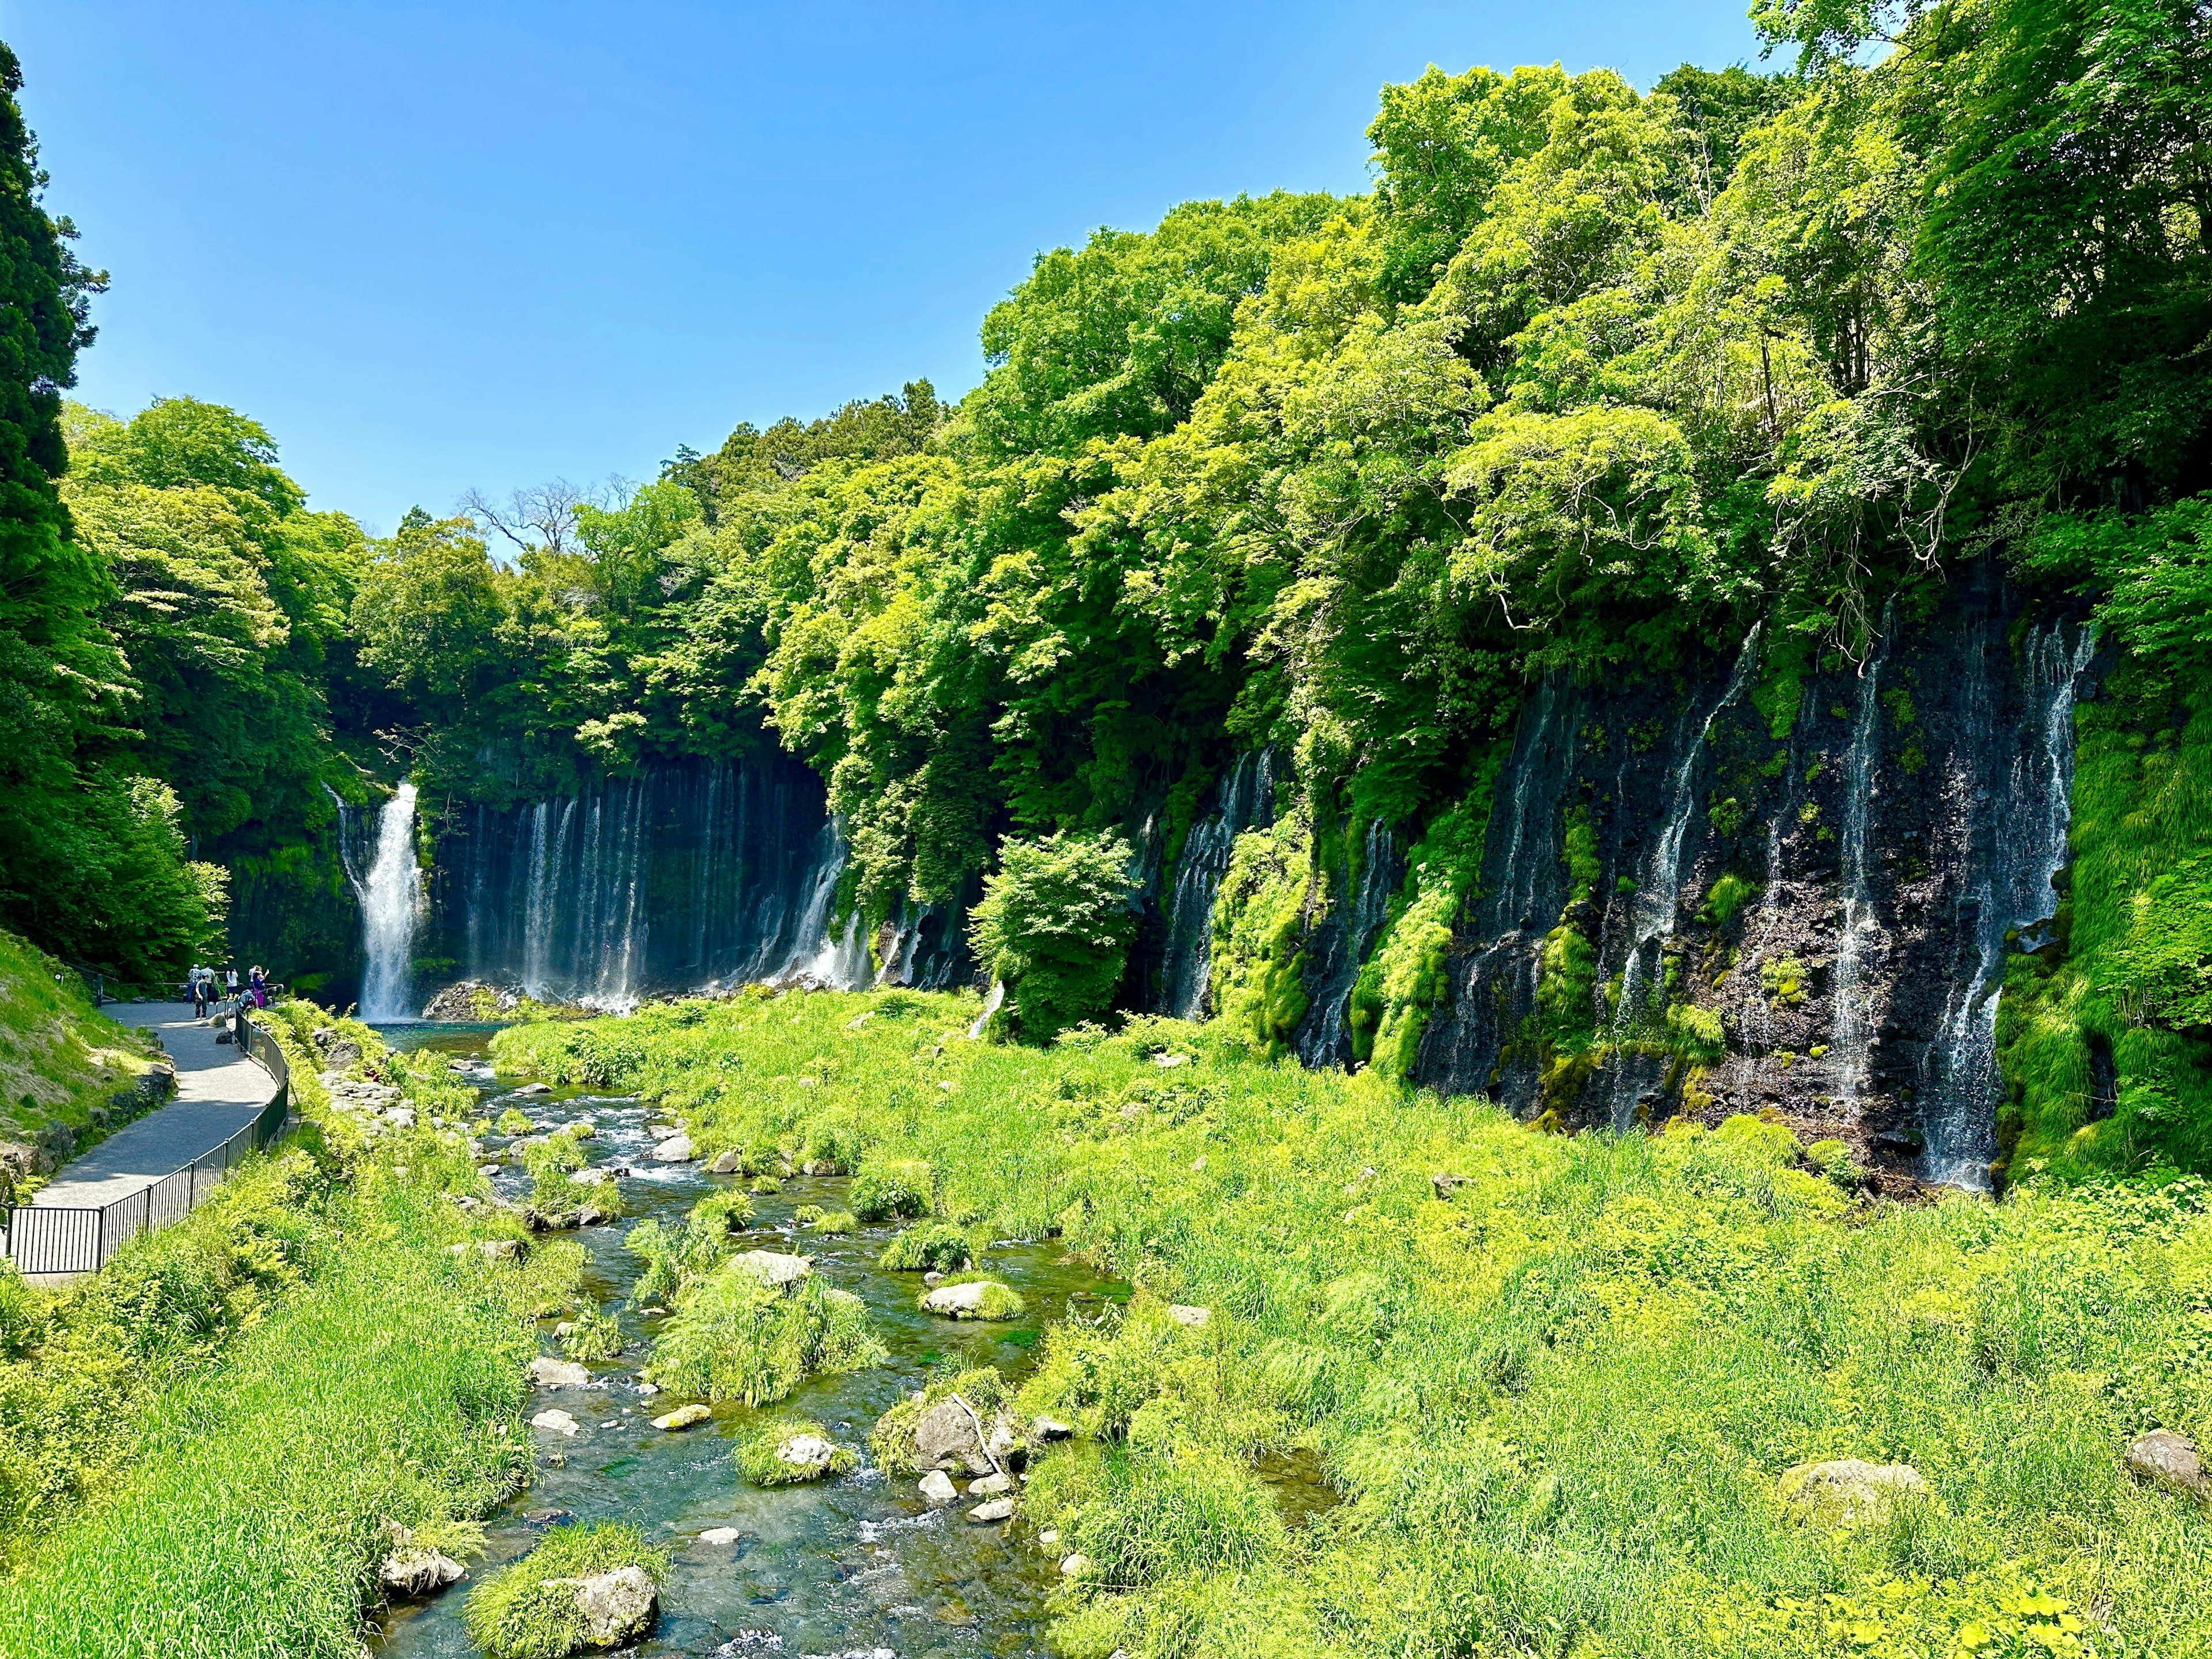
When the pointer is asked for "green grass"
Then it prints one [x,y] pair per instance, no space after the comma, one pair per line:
[921,1249]
[523,1612]
[757,1446]
[731,1337]
[390,1388]
[1557,1405]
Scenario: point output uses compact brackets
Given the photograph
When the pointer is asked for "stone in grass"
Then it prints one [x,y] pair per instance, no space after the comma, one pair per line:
[412,1568]
[584,1588]
[789,1451]
[998,1508]
[549,1373]
[725,1164]
[991,1485]
[2170,1461]
[937,1487]
[556,1421]
[681,1417]
[973,1298]
[1849,1491]
[774,1269]
[1195,1319]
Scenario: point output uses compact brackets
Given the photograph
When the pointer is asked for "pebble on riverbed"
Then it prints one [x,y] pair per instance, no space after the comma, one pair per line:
[683,1418]
[556,1422]
[937,1487]
[998,1508]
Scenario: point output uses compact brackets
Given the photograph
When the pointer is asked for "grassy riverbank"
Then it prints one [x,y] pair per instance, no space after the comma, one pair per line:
[199,1444]
[1558,1400]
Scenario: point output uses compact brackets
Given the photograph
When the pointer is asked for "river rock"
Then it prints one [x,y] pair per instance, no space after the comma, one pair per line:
[414,1571]
[725,1164]
[776,1271]
[1195,1319]
[721,1535]
[598,1176]
[683,1418]
[533,1089]
[944,1437]
[2169,1460]
[957,1301]
[1048,1428]
[556,1422]
[677,1149]
[998,1508]
[549,1373]
[341,1055]
[617,1606]
[400,1117]
[810,1453]
[492,1249]
[991,1485]
[1848,1490]
[1073,1565]
[937,1487]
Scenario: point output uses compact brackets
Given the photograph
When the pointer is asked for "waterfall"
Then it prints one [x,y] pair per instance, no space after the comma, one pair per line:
[1244,800]
[1851,1027]
[2018,777]
[391,895]
[1343,942]
[1658,901]
[692,877]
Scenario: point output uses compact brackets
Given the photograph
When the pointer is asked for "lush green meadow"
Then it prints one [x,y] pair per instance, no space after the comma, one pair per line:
[1559,1401]
[200,1445]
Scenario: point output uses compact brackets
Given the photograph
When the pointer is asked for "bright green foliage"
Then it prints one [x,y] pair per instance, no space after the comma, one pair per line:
[731,1337]
[1505,1389]
[982,1390]
[837,1222]
[1728,894]
[526,1611]
[593,1334]
[2103,1037]
[757,1447]
[893,1190]
[999,1301]
[919,1250]
[1053,927]
[1260,924]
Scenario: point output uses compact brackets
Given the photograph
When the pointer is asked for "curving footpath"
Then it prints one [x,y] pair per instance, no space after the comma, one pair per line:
[219,1092]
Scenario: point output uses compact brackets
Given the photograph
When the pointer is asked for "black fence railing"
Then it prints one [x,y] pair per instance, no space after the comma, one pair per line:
[63,1239]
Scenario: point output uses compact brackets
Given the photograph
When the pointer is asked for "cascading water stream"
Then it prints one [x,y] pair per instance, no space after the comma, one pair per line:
[391,895]
[1245,801]
[1850,1026]
[2023,813]
[1659,895]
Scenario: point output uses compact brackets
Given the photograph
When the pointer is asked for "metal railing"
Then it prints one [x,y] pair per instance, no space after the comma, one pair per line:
[62,1239]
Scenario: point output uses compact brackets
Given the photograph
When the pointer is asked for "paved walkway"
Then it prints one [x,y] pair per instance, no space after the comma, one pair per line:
[219,1092]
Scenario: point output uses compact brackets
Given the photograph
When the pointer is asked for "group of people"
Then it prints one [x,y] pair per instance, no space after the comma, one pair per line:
[209,986]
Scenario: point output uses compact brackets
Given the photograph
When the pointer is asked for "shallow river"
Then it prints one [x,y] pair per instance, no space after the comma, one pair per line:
[855,1566]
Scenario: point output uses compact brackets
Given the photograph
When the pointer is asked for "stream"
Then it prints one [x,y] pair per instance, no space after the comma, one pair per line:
[860,1565]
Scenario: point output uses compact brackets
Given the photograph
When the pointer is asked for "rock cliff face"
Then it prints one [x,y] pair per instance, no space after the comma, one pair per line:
[1788,881]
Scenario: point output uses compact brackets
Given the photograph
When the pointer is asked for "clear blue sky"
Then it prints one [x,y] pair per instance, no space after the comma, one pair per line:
[451,243]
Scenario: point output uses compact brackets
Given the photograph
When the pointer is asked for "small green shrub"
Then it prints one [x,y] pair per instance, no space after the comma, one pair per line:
[837,1222]
[596,1335]
[887,1192]
[731,1337]
[807,1214]
[938,1249]
[729,1210]
[1141,1516]
[757,1448]
[1053,925]
[525,1611]
[1725,898]
[511,1121]
[558,1152]
[766,1184]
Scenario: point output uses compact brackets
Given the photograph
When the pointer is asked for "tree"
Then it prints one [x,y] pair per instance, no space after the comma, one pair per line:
[1053,927]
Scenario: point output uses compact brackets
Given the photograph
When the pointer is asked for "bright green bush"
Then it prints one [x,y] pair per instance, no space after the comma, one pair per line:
[731,1337]
[524,1612]
[891,1191]
[1053,925]
[595,1333]
[920,1249]
[836,1222]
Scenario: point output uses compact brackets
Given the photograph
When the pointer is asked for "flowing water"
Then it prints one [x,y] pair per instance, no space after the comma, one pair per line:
[855,1565]
[1342,945]
[1244,800]
[686,877]
[1859,934]
[390,892]
[2017,769]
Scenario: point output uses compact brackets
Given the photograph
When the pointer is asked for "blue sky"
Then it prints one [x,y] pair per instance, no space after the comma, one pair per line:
[433,246]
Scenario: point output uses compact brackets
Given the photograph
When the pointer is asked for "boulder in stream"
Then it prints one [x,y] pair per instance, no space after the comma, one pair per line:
[414,1569]
[617,1606]
[549,1373]
[681,1417]
[556,1421]
[977,1298]
[677,1149]
[772,1268]
[937,1487]
[998,1508]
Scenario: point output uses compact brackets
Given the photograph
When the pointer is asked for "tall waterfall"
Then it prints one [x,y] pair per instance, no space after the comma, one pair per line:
[1244,800]
[697,877]
[391,895]
[1850,1027]
[2019,775]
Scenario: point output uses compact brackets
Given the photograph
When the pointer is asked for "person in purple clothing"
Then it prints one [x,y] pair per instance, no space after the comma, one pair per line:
[260,981]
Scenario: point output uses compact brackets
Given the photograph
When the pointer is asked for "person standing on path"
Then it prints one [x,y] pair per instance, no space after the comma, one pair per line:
[199,992]
[230,975]
[260,983]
